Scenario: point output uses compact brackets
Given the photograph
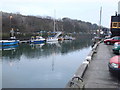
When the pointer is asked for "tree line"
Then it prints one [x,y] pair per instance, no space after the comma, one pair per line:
[29,25]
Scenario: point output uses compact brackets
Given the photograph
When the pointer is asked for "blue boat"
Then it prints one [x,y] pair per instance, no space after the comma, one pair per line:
[8,42]
[37,40]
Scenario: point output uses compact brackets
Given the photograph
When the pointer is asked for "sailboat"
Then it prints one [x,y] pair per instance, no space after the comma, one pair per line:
[54,38]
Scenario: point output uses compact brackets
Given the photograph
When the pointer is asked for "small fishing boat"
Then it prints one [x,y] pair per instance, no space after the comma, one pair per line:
[8,42]
[37,39]
[12,40]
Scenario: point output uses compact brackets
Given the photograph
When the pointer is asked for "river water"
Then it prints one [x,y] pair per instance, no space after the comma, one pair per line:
[47,65]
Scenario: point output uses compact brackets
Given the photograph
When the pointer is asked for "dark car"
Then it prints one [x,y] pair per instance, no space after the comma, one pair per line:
[112,40]
[114,65]
[116,48]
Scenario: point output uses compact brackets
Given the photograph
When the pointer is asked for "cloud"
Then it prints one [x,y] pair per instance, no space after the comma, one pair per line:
[87,10]
[56,1]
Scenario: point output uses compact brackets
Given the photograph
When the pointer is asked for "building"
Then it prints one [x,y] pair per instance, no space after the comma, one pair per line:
[115,23]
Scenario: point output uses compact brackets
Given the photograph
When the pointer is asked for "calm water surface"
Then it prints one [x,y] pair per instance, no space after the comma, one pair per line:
[47,65]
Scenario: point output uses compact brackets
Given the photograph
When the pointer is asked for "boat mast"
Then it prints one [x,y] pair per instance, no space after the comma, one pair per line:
[54,19]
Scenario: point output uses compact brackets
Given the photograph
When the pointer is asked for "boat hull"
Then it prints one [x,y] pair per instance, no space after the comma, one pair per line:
[52,39]
[37,42]
[9,42]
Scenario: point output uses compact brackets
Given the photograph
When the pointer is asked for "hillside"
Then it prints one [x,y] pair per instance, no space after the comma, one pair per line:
[29,25]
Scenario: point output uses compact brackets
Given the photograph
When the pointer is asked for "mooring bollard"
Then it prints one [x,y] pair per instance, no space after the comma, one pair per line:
[77,82]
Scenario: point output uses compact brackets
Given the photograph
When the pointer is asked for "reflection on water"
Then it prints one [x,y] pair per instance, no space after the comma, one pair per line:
[45,49]
[8,47]
[43,65]
[33,46]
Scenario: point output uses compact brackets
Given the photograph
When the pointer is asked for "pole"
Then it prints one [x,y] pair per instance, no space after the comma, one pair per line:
[100,20]
[11,29]
[54,19]
[10,22]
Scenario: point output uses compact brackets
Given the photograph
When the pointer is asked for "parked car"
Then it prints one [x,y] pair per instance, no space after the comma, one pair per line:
[114,65]
[116,48]
[112,40]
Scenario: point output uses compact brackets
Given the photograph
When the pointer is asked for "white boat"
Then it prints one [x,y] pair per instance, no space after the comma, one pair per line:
[55,38]
[37,39]
[51,39]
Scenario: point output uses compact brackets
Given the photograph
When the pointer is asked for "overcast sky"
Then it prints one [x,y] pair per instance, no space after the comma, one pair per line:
[85,10]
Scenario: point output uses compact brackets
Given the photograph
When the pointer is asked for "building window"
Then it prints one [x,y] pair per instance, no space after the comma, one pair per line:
[114,24]
[118,24]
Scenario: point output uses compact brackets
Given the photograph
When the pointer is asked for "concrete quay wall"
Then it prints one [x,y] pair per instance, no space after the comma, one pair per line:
[77,79]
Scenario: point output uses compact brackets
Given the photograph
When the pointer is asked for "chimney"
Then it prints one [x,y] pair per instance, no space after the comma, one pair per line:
[119,8]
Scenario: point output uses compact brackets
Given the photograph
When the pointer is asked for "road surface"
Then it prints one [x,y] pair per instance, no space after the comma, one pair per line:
[97,74]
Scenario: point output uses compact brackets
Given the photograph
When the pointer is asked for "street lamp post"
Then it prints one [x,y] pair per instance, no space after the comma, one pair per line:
[100,21]
[11,29]
[10,22]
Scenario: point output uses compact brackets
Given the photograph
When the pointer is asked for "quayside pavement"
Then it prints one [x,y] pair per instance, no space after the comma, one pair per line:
[97,74]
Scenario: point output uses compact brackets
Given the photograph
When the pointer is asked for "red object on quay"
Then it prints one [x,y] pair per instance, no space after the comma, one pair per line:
[114,65]
[112,40]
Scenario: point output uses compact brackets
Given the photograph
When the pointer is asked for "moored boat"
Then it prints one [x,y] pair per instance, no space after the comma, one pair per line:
[54,38]
[12,40]
[8,42]
[38,39]
[51,39]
